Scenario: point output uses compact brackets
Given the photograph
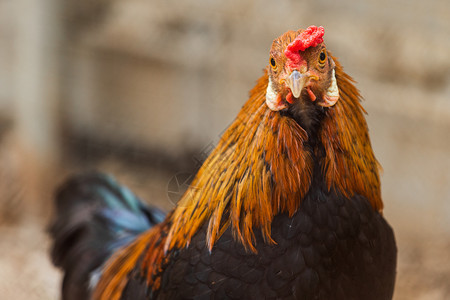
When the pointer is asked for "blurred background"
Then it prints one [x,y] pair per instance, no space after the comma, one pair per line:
[144,88]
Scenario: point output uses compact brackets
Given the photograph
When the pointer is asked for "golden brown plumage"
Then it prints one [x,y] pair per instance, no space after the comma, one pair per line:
[284,147]
[350,165]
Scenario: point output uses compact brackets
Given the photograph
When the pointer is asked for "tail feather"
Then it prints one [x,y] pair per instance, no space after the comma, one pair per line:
[95,216]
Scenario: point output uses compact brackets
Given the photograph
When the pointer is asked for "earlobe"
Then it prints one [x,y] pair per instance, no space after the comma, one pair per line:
[332,94]
[272,100]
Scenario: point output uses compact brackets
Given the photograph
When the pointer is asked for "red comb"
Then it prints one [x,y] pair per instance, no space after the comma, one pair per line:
[311,37]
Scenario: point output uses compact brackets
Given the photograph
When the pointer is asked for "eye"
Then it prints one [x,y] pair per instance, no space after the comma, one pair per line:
[273,63]
[322,57]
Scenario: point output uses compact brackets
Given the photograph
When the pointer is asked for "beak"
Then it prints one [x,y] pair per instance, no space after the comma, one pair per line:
[296,81]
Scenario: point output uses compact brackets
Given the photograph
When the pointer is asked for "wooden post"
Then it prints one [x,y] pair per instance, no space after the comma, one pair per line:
[37,83]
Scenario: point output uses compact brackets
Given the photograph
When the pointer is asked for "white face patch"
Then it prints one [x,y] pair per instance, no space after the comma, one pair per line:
[271,98]
[332,94]
[333,90]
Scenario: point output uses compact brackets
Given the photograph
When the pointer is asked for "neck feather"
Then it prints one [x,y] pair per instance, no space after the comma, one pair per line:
[350,165]
[259,168]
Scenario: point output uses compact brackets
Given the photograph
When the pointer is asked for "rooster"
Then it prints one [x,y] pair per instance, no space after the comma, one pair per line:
[287,206]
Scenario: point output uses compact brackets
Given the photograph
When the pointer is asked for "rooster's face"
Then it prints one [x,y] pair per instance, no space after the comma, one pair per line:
[301,72]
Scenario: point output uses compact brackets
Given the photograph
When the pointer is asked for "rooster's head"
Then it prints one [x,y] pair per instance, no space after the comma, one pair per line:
[301,73]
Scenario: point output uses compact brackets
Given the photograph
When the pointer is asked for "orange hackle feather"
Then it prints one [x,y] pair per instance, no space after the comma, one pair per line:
[259,168]
[350,165]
